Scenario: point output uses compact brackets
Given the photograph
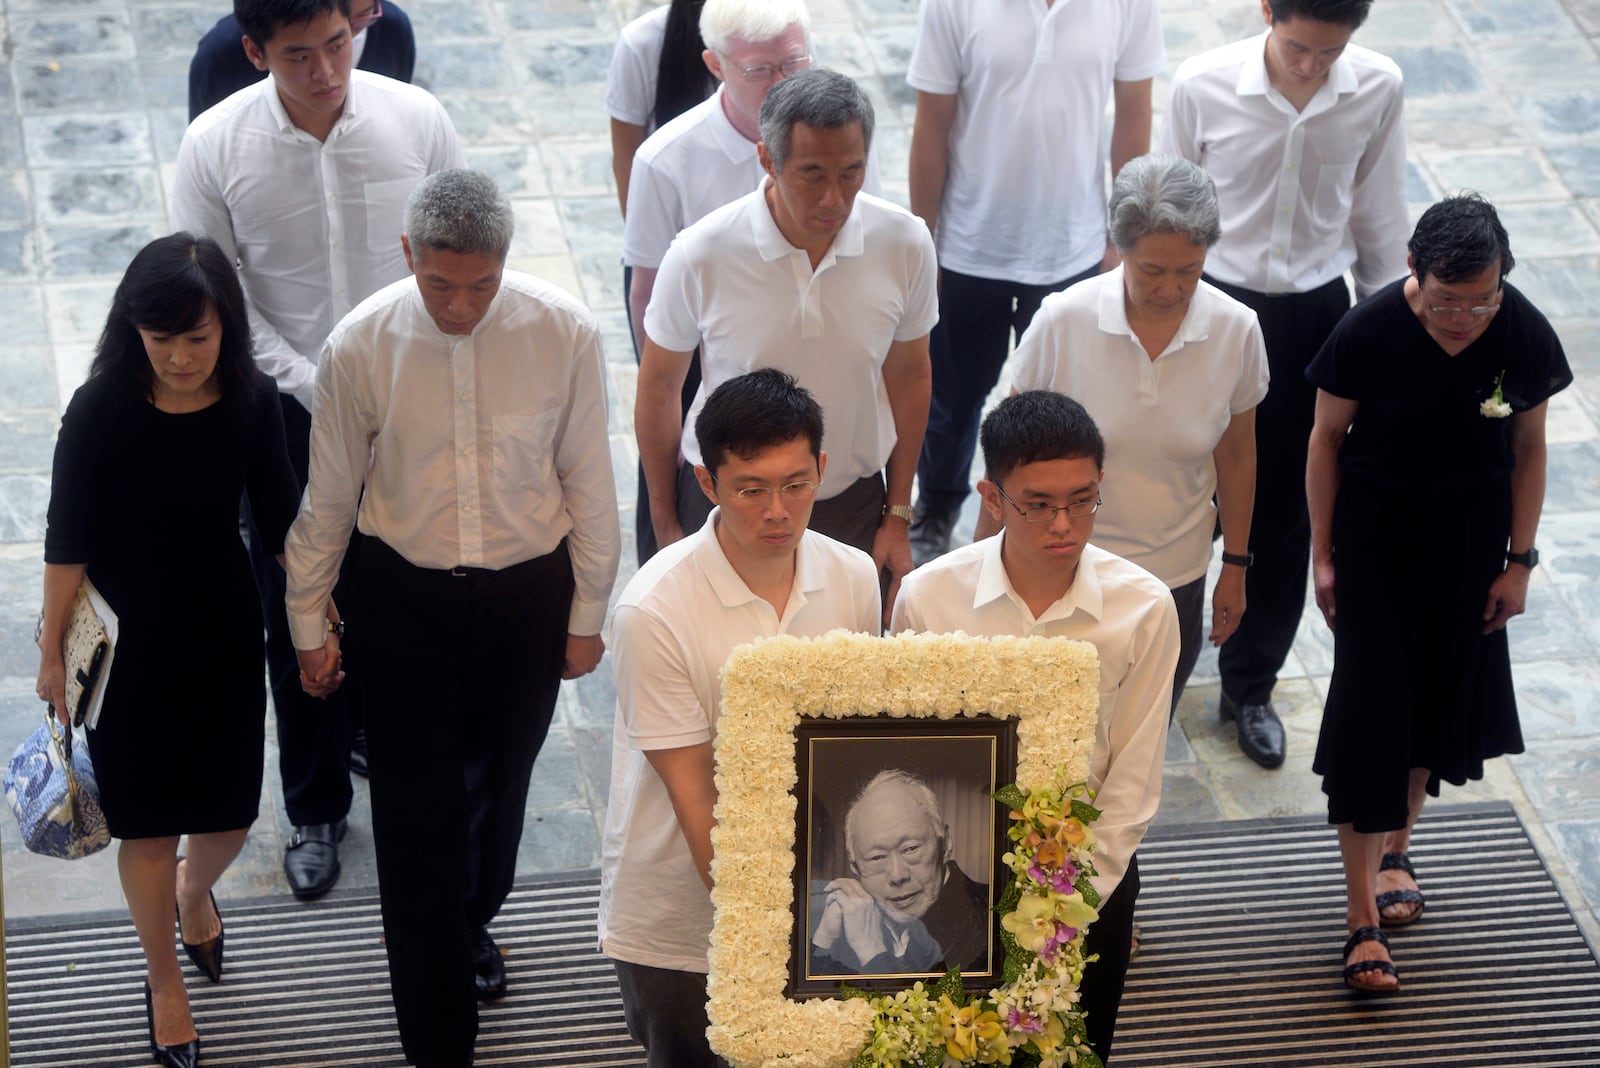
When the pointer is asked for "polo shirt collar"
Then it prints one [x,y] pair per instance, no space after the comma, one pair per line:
[280,114]
[993,584]
[735,145]
[1113,313]
[772,245]
[809,569]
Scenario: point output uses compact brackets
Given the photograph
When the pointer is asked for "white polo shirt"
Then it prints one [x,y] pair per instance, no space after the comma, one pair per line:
[733,285]
[1161,418]
[1128,615]
[1024,196]
[635,66]
[1305,195]
[675,624]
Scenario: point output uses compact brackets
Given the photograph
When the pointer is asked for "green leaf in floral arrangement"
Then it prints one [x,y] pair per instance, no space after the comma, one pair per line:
[850,993]
[1085,812]
[1009,897]
[933,1058]
[1018,959]
[1086,888]
[1010,796]
[949,985]
[863,1060]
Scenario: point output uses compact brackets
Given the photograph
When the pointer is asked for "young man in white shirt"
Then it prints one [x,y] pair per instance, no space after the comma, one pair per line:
[303,178]
[1044,460]
[752,570]
[460,421]
[808,275]
[1302,133]
[1008,171]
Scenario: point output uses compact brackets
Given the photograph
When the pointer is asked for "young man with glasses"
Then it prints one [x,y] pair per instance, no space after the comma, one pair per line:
[1303,135]
[807,275]
[1044,460]
[382,43]
[752,570]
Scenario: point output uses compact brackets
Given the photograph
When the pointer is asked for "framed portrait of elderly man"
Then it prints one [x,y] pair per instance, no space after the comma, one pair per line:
[897,851]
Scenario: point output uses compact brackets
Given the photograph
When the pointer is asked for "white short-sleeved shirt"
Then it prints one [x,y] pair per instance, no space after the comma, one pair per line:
[1128,615]
[1161,418]
[1305,195]
[1024,196]
[675,624]
[635,66]
[733,285]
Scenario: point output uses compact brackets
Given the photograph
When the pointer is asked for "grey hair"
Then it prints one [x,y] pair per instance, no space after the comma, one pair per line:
[1163,195]
[460,211]
[922,799]
[821,99]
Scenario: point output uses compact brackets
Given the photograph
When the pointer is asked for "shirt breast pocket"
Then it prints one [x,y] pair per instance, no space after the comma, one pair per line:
[523,453]
[1330,205]
[386,211]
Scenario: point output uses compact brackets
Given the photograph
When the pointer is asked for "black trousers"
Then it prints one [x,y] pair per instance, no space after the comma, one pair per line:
[313,733]
[852,517]
[1294,326]
[463,669]
[968,347]
[644,533]
[666,1014]
[1111,936]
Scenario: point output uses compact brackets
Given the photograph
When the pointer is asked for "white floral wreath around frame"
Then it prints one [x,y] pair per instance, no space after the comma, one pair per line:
[1049,685]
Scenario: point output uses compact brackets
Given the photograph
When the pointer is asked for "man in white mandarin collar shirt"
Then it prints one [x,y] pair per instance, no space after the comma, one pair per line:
[303,178]
[1302,132]
[460,422]
[1044,460]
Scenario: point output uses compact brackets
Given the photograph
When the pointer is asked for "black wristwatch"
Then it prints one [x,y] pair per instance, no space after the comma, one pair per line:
[1529,559]
[1238,559]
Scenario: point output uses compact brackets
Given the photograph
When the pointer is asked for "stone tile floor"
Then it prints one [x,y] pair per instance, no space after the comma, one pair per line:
[1503,97]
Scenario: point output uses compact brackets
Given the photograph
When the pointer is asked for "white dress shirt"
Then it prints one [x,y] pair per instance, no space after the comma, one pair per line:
[315,225]
[1128,615]
[1305,195]
[1024,195]
[733,285]
[480,450]
[1161,418]
[676,623]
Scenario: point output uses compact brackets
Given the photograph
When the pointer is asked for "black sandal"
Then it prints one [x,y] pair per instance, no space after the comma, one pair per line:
[1399,862]
[1361,967]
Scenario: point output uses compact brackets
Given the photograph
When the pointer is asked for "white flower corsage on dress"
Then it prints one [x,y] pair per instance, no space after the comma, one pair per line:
[1494,406]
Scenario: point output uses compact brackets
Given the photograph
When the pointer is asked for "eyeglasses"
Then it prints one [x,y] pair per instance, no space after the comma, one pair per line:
[1477,312]
[1046,513]
[763,72]
[789,491]
[362,21]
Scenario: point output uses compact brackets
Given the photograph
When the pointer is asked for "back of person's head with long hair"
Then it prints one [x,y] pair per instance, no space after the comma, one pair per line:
[682,77]
[168,288]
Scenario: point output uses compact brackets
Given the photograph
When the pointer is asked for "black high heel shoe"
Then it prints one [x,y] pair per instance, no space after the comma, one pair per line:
[207,955]
[185,1056]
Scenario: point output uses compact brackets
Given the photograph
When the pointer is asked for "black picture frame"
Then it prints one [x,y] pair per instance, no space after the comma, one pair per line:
[961,762]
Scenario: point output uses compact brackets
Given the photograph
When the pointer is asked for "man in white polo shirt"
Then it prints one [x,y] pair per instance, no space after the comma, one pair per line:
[807,276]
[752,571]
[1044,459]
[1302,133]
[1007,169]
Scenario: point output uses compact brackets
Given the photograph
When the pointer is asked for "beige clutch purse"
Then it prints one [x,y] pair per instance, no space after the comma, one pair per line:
[84,650]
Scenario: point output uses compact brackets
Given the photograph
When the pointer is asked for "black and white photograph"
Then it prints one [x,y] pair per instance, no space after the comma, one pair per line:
[897,849]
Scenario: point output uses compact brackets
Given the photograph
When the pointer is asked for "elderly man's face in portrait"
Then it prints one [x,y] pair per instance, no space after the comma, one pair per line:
[897,850]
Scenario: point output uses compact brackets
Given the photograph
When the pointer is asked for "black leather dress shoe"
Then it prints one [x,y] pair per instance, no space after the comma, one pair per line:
[488,967]
[1260,731]
[312,861]
[358,752]
[183,1055]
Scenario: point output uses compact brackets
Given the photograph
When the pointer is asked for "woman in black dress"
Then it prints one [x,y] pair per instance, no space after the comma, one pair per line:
[1425,480]
[155,449]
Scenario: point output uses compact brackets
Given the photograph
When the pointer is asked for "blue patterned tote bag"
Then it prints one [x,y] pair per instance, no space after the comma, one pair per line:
[52,790]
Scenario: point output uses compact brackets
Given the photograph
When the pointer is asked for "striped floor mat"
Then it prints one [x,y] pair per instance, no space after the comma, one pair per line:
[1242,927]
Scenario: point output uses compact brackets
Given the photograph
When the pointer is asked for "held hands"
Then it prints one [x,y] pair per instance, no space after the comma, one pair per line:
[583,655]
[1227,604]
[320,669]
[1508,596]
[850,917]
[1322,581]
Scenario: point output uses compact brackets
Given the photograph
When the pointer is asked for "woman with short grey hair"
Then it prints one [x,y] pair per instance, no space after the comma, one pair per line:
[1171,369]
